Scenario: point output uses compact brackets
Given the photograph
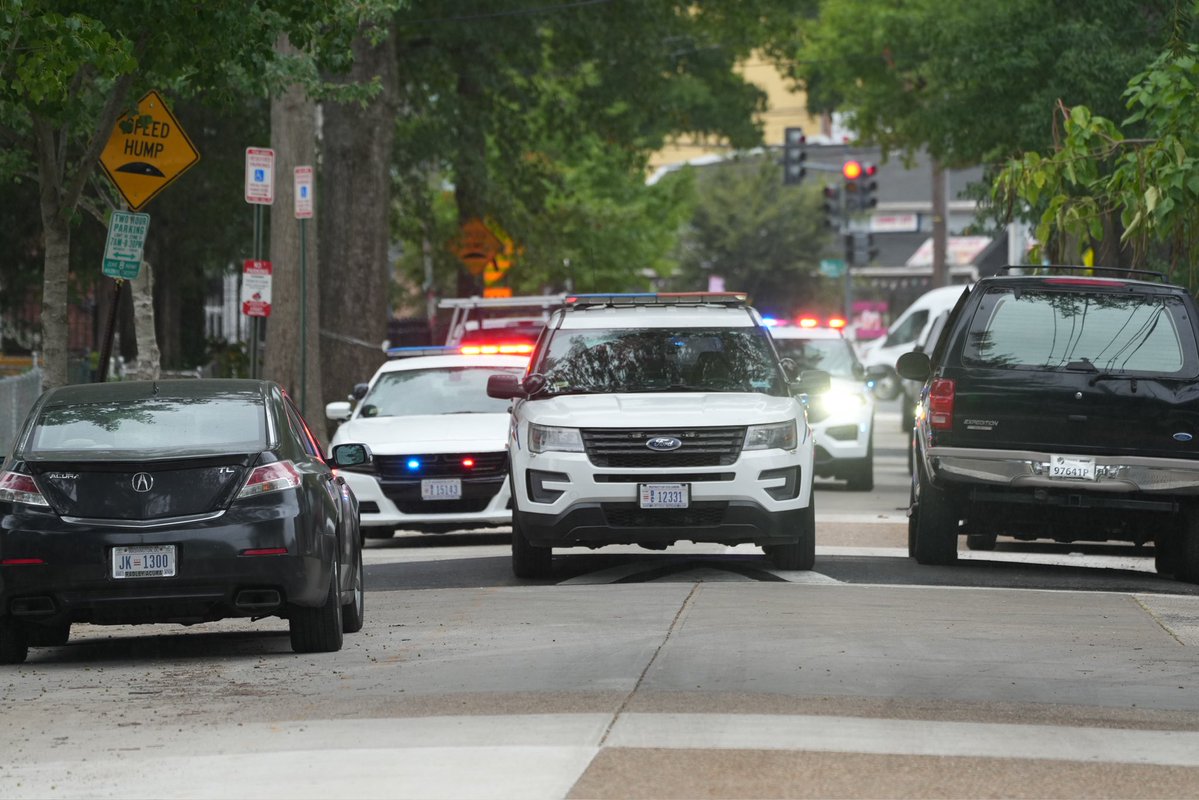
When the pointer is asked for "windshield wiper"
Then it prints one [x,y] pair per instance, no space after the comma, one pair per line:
[677,387]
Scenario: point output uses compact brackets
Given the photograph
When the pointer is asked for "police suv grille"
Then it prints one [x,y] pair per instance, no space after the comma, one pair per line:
[625,447]
[443,465]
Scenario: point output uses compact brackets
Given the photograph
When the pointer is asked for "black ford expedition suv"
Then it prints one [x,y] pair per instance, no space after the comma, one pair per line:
[1061,407]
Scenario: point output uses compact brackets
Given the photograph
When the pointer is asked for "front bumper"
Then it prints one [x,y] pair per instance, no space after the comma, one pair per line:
[758,499]
[1027,469]
[74,580]
[485,503]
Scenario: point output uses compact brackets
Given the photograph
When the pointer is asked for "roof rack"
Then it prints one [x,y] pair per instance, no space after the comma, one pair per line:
[734,299]
[477,308]
[1095,272]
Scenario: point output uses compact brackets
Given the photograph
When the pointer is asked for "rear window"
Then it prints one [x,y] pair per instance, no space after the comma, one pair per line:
[1097,331]
[166,425]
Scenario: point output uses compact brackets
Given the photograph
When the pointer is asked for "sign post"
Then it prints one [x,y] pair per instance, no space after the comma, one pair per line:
[260,191]
[123,251]
[304,210]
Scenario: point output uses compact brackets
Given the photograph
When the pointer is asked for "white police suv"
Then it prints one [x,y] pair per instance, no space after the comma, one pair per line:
[655,418]
[439,442]
[842,418]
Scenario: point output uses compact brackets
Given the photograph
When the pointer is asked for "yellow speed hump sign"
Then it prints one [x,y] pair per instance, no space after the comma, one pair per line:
[147,151]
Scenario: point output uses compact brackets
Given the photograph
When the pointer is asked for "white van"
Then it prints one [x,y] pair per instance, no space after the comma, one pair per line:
[909,331]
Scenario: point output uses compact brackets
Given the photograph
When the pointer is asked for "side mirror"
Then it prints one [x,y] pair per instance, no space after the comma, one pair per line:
[359,391]
[812,381]
[505,387]
[351,455]
[790,368]
[339,410]
[859,371]
[914,366]
[876,371]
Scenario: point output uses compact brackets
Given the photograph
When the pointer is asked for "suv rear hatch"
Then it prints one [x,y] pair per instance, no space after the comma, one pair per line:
[1077,366]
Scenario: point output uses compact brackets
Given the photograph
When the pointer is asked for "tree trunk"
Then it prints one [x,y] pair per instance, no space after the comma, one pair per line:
[941,275]
[148,364]
[356,145]
[57,262]
[292,339]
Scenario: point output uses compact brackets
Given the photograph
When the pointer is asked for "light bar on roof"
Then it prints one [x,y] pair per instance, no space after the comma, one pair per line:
[657,299]
[427,350]
[507,349]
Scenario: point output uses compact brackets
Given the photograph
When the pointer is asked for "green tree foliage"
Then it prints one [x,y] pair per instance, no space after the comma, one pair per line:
[1098,171]
[973,82]
[543,119]
[760,236]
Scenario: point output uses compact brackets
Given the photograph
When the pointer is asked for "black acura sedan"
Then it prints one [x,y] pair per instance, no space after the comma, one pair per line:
[175,501]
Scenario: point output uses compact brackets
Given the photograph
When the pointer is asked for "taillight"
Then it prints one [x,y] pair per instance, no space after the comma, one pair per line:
[270,478]
[940,404]
[17,487]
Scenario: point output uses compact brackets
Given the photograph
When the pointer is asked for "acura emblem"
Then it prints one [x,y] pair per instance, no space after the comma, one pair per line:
[664,443]
[143,482]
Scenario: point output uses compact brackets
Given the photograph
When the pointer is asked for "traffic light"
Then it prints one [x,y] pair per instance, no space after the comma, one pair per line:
[860,248]
[794,155]
[833,216]
[868,191]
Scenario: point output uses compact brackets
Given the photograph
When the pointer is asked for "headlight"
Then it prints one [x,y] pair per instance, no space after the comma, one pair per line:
[780,435]
[837,401]
[544,438]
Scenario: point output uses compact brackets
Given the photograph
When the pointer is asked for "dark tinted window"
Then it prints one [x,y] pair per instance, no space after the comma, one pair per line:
[661,359]
[233,422]
[1107,332]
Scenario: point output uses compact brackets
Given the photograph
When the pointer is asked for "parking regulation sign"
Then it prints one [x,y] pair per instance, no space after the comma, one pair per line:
[303,192]
[125,244]
[260,175]
[256,288]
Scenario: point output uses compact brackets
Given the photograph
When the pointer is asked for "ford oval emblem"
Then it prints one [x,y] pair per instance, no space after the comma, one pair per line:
[1183,437]
[664,443]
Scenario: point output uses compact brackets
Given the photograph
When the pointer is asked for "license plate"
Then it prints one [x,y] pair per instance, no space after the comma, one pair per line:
[148,561]
[441,489]
[665,495]
[1072,467]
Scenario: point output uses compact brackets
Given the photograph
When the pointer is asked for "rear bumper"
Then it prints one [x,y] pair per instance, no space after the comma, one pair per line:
[1027,469]
[74,581]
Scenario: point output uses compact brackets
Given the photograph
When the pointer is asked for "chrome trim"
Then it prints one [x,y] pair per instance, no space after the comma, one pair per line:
[1026,469]
[145,523]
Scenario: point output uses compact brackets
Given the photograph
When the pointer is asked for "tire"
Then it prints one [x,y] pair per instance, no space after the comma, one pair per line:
[48,635]
[14,644]
[980,541]
[529,561]
[800,554]
[1185,553]
[861,475]
[912,522]
[887,387]
[936,526]
[318,630]
[353,613]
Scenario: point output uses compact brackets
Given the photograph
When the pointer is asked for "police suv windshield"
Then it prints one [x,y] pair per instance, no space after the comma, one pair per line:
[661,360]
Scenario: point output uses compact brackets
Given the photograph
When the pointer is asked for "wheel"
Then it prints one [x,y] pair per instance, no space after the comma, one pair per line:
[1183,557]
[887,386]
[861,475]
[980,541]
[354,612]
[936,532]
[14,645]
[48,635]
[912,521]
[318,630]
[800,554]
[529,561]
